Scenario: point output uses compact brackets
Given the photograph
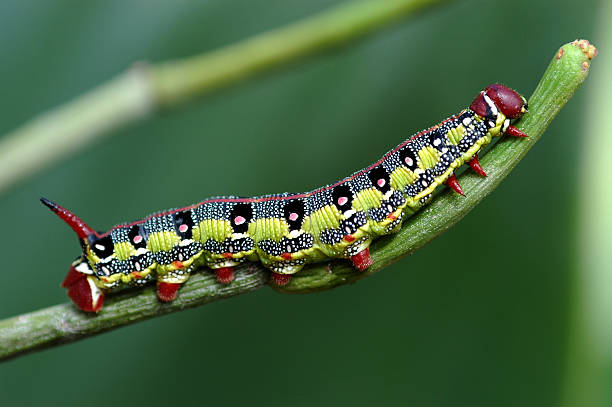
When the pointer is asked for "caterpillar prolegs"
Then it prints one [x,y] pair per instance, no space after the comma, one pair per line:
[286,231]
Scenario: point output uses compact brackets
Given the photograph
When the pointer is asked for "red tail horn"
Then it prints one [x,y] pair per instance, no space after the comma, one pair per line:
[79,227]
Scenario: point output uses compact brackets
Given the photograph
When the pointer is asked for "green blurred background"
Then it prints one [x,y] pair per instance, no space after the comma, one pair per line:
[479,317]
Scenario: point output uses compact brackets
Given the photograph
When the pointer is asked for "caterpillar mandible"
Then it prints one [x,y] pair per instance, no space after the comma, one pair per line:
[286,231]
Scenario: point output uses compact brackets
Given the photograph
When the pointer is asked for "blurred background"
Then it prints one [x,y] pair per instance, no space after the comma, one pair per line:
[484,315]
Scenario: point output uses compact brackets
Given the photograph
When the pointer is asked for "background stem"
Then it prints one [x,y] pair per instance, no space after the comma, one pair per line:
[144,88]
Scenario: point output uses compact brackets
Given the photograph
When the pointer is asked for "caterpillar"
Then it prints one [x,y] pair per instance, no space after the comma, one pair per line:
[286,231]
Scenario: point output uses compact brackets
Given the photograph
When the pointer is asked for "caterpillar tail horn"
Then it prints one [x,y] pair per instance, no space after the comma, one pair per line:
[80,228]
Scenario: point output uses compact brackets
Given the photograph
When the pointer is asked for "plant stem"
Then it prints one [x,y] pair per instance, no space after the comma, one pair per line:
[64,323]
[144,88]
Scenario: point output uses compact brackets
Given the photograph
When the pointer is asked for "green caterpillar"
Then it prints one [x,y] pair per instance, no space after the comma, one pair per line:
[286,231]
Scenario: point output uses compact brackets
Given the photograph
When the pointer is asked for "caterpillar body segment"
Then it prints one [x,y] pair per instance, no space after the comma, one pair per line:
[287,231]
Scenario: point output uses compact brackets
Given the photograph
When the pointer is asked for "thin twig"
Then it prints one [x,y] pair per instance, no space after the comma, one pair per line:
[64,323]
[143,89]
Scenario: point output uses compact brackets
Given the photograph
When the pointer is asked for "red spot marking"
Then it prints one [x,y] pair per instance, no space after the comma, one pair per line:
[281,279]
[362,260]
[342,200]
[391,216]
[349,238]
[514,132]
[136,274]
[137,239]
[475,164]
[381,182]
[225,275]
[166,292]
[239,220]
[286,256]
[183,228]
[80,293]
[72,277]
[454,184]
[178,264]
[507,100]
[293,216]
[228,255]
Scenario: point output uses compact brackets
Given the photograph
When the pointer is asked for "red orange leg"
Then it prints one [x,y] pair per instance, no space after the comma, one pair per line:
[167,292]
[362,260]
[475,164]
[225,275]
[514,132]
[281,279]
[454,184]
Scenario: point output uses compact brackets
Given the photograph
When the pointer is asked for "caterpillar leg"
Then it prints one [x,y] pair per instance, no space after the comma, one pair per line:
[454,184]
[169,283]
[359,253]
[281,279]
[225,275]
[81,286]
[475,164]
[224,270]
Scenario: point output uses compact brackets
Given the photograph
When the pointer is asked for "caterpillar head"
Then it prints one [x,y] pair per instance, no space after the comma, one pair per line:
[499,98]
[80,280]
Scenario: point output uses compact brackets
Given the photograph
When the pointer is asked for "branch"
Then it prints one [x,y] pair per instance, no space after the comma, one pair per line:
[137,93]
[64,323]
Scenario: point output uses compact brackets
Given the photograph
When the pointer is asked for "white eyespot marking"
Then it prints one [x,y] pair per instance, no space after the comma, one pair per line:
[389,208]
[83,268]
[342,200]
[295,233]
[381,182]
[409,161]
[239,220]
[424,183]
[137,239]
[293,216]
[491,123]
[466,121]
[99,246]
[349,213]
[181,257]
[106,271]
[230,249]
[288,249]
[348,230]
[137,265]
[183,228]
[436,142]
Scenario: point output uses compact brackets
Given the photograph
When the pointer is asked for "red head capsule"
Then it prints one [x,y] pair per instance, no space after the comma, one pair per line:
[506,100]
[510,103]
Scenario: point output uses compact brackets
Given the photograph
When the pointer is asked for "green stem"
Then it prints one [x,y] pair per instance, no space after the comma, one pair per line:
[144,88]
[64,323]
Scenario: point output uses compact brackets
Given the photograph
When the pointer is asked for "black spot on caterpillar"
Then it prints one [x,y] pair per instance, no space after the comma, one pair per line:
[286,231]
